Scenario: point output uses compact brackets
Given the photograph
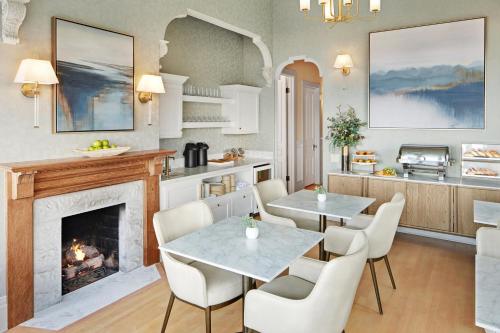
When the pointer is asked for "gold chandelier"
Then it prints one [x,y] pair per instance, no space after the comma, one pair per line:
[336,11]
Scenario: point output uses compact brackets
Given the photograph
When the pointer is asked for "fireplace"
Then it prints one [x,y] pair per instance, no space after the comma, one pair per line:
[90,247]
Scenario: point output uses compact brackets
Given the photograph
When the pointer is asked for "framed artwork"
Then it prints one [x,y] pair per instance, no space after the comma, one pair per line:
[95,68]
[428,77]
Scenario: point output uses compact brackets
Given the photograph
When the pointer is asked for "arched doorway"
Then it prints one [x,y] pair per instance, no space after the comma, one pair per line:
[299,123]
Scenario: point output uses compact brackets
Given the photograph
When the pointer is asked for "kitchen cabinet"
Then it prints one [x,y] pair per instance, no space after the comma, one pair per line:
[465,208]
[429,206]
[177,194]
[382,191]
[220,206]
[170,117]
[243,113]
[242,202]
[346,185]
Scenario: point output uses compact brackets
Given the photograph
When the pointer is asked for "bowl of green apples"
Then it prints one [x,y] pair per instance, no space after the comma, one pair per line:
[102,148]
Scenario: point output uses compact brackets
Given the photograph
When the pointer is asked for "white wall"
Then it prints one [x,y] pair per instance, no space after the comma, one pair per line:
[147,22]
[296,35]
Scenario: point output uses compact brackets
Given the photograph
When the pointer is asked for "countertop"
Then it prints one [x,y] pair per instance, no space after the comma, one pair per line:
[487,213]
[182,174]
[450,181]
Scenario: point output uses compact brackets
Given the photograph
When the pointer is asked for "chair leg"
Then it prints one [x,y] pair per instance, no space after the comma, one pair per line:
[386,259]
[328,255]
[167,314]
[375,285]
[208,320]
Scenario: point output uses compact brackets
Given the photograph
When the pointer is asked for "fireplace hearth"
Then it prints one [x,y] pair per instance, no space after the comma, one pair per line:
[90,247]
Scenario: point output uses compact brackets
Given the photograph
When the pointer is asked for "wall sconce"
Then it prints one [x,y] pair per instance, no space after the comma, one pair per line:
[149,85]
[344,63]
[31,74]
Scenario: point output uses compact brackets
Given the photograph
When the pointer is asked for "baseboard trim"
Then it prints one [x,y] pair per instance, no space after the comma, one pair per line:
[438,235]
[3,314]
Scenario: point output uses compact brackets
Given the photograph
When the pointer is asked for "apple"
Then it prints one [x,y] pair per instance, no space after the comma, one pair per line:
[105,142]
[114,146]
[97,144]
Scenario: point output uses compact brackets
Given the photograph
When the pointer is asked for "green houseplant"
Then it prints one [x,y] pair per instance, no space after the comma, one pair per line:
[252,231]
[344,132]
[321,192]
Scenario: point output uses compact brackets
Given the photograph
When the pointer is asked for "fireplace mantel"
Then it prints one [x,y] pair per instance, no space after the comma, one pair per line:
[27,181]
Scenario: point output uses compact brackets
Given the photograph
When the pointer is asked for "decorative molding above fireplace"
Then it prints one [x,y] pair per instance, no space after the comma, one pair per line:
[28,181]
[13,15]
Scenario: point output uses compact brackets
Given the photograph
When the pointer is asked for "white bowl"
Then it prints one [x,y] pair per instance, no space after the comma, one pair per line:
[102,152]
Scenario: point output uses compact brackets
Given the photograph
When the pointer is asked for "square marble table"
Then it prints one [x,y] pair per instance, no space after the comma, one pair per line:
[343,207]
[224,245]
[488,293]
[487,213]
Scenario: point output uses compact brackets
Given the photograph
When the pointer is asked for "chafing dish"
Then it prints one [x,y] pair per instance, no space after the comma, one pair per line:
[432,159]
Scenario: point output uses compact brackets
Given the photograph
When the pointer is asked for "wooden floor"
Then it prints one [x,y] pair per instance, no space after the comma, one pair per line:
[435,281]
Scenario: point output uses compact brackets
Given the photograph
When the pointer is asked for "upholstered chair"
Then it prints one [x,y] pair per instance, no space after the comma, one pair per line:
[380,232]
[316,297]
[487,241]
[270,190]
[192,282]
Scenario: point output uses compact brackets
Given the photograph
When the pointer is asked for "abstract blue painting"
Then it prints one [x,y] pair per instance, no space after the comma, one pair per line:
[95,68]
[429,77]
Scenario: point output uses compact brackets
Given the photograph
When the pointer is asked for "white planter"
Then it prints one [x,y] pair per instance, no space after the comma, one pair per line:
[321,197]
[252,233]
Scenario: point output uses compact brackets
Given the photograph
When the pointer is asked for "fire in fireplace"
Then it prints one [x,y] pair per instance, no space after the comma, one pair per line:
[90,247]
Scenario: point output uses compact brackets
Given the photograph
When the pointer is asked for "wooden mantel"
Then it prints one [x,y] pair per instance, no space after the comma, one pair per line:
[27,181]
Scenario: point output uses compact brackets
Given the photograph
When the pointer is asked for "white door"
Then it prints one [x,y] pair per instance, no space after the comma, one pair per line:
[311,113]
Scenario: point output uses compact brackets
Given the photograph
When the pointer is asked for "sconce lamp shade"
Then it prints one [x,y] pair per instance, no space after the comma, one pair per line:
[305,5]
[375,6]
[343,61]
[36,71]
[151,84]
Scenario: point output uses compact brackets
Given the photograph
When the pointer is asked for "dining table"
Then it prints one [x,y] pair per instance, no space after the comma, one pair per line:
[338,206]
[224,245]
[486,212]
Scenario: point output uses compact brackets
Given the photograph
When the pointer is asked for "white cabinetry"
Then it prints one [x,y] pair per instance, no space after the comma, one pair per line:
[177,194]
[220,206]
[171,106]
[244,112]
[242,202]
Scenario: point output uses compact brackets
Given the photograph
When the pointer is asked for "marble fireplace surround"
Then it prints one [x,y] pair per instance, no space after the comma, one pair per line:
[47,224]
[29,184]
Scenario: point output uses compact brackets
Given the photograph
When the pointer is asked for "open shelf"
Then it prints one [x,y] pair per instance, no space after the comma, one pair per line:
[207,124]
[481,159]
[208,100]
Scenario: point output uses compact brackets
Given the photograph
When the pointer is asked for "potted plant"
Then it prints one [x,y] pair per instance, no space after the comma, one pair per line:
[344,132]
[321,192]
[252,231]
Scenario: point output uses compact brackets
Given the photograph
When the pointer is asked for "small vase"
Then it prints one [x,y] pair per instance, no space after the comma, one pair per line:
[321,197]
[252,233]
[345,158]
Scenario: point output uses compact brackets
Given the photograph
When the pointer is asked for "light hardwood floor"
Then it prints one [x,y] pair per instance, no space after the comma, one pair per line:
[435,281]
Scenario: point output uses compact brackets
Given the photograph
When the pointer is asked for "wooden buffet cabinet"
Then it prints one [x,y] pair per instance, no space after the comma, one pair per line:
[430,205]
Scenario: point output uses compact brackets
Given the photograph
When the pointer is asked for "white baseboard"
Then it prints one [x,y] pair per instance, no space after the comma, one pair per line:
[437,235]
[3,314]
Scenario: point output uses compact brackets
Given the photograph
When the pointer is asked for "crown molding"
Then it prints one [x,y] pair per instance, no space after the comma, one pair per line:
[13,15]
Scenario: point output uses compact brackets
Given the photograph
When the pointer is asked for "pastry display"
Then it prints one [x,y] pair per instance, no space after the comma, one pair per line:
[481,172]
[482,153]
[387,172]
[362,160]
[364,152]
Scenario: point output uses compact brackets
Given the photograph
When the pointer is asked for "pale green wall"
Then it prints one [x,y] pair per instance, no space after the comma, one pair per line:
[147,21]
[211,56]
[296,35]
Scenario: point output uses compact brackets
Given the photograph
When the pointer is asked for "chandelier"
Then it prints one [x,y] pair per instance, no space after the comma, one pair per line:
[336,11]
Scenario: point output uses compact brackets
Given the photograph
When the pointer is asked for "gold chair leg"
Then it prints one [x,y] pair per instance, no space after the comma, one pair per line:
[386,259]
[167,314]
[375,285]
[208,320]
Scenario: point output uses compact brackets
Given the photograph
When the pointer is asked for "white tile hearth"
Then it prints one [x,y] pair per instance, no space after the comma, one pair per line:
[83,302]
[47,219]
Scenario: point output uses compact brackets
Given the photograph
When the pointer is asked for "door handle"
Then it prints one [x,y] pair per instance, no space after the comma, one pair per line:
[315,146]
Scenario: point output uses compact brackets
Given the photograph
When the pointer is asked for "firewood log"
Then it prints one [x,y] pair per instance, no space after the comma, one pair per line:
[111,261]
[90,251]
[94,262]
[70,272]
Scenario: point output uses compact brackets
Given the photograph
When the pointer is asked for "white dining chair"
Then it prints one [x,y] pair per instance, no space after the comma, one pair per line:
[192,282]
[380,232]
[316,297]
[270,190]
[487,242]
